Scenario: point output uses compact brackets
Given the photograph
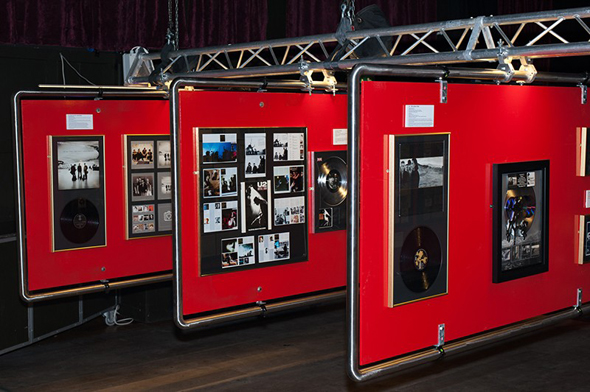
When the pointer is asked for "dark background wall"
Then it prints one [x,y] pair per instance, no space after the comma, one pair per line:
[91,34]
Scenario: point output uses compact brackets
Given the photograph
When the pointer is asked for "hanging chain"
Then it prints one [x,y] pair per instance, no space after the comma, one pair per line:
[176,35]
[347,8]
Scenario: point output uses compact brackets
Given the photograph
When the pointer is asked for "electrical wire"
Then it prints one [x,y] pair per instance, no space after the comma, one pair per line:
[63,73]
[110,318]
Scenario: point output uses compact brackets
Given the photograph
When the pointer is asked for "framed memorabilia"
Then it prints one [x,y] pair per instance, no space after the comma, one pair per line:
[331,189]
[252,205]
[583,240]
[78,192]
[582,161]
[418,217]
[521,220]
[149,185]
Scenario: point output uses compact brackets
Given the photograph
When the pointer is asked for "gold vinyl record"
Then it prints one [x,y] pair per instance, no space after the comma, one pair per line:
[333,181]
[420,259]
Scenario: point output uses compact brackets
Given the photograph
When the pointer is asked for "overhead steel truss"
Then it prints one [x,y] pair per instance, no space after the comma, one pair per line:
[486,38]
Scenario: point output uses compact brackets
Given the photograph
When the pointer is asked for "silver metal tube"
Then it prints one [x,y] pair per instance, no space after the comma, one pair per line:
[24,292]
[354,371]
[222,316]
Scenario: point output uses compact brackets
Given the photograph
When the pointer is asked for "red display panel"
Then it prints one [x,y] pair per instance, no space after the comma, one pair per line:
[326,265]
[120,257]
[488,124]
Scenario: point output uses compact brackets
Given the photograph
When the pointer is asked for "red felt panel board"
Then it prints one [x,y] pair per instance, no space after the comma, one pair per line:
[326,267]
[121,257]
[488,124]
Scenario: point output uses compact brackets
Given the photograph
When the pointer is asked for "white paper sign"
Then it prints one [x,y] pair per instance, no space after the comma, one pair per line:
[587,199]
[419,116]
[79,121]
[340,137]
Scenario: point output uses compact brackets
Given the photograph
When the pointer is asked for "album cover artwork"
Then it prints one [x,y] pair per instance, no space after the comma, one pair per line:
[520,220]
[77,192]
[143,218]
[325,218]
[288,146]
[78,165]
[290,210]
[237,252]
[142,154]
[164,186]
[142,186]
[165,217]
[273,247]
[255,164]
[255,199]
[220,148]
[164,159]
[221,216]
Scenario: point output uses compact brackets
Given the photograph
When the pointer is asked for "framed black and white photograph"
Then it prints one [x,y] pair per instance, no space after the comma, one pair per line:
[78,192]
[255,155]
[78,165]
[288,146]
[418,217]
[281,179]
[521,220]
[289,210]
[229,181]
[142,186]
[149,179]
[142,154]
[211,183]
[164,159]
[164,185]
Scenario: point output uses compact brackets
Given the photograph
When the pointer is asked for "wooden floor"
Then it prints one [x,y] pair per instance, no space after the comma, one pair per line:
[303,351]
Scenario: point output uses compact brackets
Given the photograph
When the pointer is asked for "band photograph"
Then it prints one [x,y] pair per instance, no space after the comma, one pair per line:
[237,252]
[220,148]
[255,164]
[142,154]
[142,185]
[78,164]
[164,158]
[164,186]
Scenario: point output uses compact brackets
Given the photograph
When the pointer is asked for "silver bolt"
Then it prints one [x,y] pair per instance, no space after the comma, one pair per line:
[103,269]
[97,110]
[261,104]
[259,288]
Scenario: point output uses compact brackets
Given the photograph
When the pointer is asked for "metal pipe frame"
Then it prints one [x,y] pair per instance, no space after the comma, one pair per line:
[354,370]
[222,315]
[447,50]
[94,287]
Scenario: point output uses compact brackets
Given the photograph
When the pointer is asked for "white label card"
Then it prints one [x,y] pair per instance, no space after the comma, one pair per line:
[340,137]
[419,116]
[79,121]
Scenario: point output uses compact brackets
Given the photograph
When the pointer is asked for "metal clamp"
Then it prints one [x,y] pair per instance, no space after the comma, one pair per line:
[262,305]
[578,305]
[441,338]
[584,91]
[444,85]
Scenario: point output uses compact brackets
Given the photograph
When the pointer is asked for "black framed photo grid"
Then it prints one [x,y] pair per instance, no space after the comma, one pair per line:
[252,197]
[521,220]
[149,185]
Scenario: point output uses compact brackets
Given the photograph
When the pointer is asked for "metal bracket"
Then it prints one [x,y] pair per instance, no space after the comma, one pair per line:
[584,89]
[330,80]
[262,305]
[441,337]
[305,76]
[578,300]
[443,90]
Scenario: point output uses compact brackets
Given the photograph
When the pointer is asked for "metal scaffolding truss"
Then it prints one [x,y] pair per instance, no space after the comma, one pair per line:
[486,38]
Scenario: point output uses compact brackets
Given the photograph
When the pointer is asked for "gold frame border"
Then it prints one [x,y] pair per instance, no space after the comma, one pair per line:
[391,171]
[51,152]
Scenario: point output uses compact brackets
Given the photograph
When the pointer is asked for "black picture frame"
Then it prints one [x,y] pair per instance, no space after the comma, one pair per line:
[520,220]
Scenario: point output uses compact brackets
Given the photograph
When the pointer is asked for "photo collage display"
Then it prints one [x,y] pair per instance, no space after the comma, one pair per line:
[252,197]
[149,185]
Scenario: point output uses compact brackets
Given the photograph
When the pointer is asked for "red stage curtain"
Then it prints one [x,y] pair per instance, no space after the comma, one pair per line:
[121,25]
[313,17]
